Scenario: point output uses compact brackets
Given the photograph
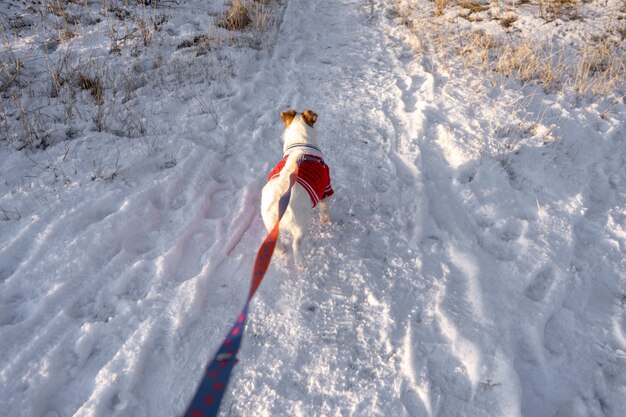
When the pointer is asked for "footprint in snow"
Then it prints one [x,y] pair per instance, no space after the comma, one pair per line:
[5,274]
[556,337]
[499,238]
[540,285]
[87,309]
[10,316]
[216,206]
[502,251]
[408,92]
[509,231]
[178,202]
[467,175]
[309,307]
[14,310]
[50,45]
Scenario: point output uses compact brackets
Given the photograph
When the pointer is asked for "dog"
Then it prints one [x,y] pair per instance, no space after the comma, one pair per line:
[312,185]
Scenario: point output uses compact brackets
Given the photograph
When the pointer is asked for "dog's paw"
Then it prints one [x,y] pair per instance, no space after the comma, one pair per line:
[298,261]
[325,218]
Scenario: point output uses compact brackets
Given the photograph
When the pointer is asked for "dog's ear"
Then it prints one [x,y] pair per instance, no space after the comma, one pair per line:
[310,117]
[288,116]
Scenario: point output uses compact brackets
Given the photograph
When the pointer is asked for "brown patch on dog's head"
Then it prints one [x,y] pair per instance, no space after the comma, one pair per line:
[309,117]
[288,116]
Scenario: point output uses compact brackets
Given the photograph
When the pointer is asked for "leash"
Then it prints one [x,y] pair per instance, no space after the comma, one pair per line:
[208,396]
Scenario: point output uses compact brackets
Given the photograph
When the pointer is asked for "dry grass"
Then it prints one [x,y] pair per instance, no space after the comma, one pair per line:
[473,7]
[64,81]
[10,70]
[553,69]
[525,61]
[94,85]
[593,67]
[440,6]
[556,6]
[519,61]
[67,35]
[404,12]
[601,68]
[507,21]
[237,17]
[598,69]
[529,61]
[251,16]
[563,9]
[56,8]
[477,50]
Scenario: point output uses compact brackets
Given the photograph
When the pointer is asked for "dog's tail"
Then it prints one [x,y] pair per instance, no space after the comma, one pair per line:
[290,165]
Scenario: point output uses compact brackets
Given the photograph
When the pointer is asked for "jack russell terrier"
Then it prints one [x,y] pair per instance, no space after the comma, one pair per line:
[312,184]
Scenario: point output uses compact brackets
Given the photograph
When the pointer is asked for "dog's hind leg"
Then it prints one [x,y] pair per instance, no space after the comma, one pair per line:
[269,219]
[269,213]
[324,216]
[269,216]
[299,216]
[297,253]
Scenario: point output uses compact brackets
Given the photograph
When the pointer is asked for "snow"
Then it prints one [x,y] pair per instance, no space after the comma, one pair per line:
[474,265]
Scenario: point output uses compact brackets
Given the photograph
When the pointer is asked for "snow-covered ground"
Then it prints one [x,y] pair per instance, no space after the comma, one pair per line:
[474,266]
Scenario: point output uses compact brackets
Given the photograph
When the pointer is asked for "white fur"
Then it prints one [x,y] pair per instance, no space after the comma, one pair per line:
[295,221]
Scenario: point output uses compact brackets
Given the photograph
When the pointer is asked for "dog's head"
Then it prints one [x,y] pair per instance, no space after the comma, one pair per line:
[299,127]
[309,117]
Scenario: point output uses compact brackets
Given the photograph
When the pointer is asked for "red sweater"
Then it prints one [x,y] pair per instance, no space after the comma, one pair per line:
[313,176]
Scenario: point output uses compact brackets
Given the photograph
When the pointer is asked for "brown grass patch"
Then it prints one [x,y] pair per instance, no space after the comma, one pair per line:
[601,68]
[94,85]
[472,6]
[507,21]
[559,9]
[10,70]
[440,6]
[237,17]
[594,67]
[67,35]
[56,8]
[528,61]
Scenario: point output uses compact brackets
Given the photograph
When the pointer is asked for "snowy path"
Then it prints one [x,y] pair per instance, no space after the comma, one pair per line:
[377,324]
[462,274]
